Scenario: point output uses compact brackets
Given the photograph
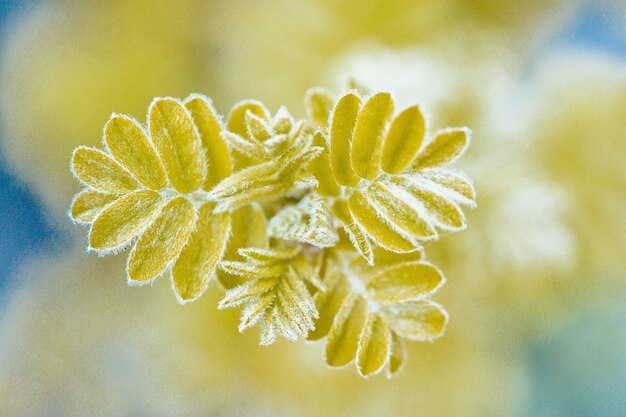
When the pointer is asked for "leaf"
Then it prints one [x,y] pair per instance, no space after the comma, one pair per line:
[98,170]
[124,219]
[367,143]
[250,289]
[438,208]
[309,221]
[178,143]
[282,122]
[237,116]
[87,204]
[198,260]
[209,128]
[319,104]
[248,230]
[162,241]
[403,140]
[279,300]
[374,346]
[321,170]
[253,150]
[379,229]
[343,338]
[342,125]
[356,234]
[403,282]
[398,355]
[258,128]
[444,149]
[422,320]
[328,303]
[460,187]
[130,146]
[401,211]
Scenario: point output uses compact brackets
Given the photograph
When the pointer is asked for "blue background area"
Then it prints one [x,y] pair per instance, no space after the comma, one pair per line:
[23,228]
[576,372]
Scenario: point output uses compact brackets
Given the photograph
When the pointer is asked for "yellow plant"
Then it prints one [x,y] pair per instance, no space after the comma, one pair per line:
[273,208]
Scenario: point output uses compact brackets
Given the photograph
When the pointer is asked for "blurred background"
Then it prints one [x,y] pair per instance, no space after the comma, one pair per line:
[536,284]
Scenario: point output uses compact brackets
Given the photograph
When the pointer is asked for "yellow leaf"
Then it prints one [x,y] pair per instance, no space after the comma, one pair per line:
[249,230]
[374,346]
[444,149]
[178,144]
[398,355]
[162,241]
[422,320]
[215,150]
[438,208]
[87,204]
[343,337]
[101,172]
[403,140]
[197,261]
[319,104]
[282,122]
[461,187]
[367,144]
[379,229]
[406,281]
[342,125]
[237,116]
[258,128]
[124,219]
[321,170]
[252,288]
[130,146]
[401,212]
[355,233]
[328,303]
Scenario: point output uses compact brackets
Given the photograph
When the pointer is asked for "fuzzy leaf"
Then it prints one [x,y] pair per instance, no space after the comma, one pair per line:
[402,213]
[342,125]
[321,170]
[178,144]
[461,188]
[309,221]
[209,128]
[162,241]
[444,149]
[379,229]
[197,261]
[398,355]
[438,208]
[422,320]
[403,140]
[355,232]
[374,346]
[124,219]
[367,143]
[343,338]
[248,230]
[319,104]
[237,116]
[130,146]
[403,282]
[87,204]
[101,172]
[328,303]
